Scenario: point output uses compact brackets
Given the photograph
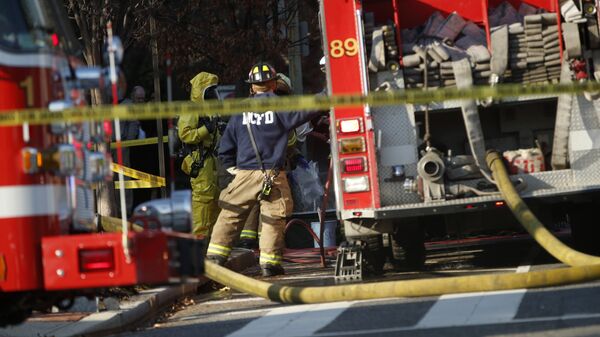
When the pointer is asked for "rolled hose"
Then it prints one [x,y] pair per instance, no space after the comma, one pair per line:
[586,268]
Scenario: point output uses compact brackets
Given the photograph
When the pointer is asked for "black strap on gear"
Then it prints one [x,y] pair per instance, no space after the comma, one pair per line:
[255,147]
[268,179]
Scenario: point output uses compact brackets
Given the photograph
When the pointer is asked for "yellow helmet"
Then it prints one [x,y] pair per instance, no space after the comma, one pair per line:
[261,72]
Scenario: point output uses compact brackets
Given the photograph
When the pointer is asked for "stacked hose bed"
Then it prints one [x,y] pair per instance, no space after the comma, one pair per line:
[430,49]
[533,43]
[529,54]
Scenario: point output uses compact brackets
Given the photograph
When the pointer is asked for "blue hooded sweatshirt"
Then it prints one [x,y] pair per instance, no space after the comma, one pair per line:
[270,130]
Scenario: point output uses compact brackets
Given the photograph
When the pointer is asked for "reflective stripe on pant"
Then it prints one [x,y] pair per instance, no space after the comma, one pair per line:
[214,249]
[249,234]
[237,200]
[270,258]
[251,227]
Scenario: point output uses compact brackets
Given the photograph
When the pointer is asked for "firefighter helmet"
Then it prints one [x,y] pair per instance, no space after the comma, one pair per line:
[261,72]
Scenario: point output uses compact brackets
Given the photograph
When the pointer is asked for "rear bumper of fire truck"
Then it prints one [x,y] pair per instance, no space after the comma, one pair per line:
[548,187]
[396,127]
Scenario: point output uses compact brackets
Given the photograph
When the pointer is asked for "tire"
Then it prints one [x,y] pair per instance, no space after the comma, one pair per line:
[584,232]
[408,247]
[374,255]
[14,317]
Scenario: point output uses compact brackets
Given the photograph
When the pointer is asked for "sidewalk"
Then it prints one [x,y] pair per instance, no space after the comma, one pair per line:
[125,315]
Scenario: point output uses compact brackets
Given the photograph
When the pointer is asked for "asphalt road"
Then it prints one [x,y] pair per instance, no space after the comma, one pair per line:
[558,311]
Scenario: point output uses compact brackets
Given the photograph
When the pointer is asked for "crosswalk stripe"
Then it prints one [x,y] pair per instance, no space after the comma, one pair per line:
[473,309]
[388,331]
[293,321]
[477,308]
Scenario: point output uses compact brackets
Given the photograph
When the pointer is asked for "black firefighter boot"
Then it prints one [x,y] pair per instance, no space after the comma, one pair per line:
[271,269]
[248,243]
[217,259]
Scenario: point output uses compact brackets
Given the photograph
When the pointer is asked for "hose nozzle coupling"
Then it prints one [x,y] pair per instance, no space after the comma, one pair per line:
[431,166]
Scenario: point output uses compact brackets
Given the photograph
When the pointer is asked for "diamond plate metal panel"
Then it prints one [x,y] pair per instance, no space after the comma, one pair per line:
[542,182]
[585,164]
[586,167]
[395,128]
[584,115]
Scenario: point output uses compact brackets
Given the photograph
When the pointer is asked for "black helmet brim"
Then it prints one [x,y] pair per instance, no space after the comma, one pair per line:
[258,82]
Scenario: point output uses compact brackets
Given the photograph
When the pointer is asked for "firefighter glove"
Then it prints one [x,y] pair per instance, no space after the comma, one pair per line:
[210,125]
[221,125]
[232,170]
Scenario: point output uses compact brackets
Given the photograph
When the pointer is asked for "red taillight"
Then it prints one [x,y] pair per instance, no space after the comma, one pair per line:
[55,40]
[96,260]
[499,204]
[352,165]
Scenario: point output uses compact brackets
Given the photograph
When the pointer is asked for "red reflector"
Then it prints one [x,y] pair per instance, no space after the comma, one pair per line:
[499,203]
[2,268]
[354,165]
[55,40]
[469,207]
[357,213]
[96,260]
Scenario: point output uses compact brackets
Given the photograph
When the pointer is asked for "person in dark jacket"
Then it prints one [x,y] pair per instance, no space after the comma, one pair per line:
[251,230]
[258,178]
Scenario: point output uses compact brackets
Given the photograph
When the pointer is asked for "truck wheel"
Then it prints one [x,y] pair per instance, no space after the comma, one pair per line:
[373,254]
[584,231]
[408,247]
[14,317]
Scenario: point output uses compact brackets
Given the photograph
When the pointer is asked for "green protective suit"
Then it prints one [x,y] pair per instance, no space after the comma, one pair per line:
[205,192]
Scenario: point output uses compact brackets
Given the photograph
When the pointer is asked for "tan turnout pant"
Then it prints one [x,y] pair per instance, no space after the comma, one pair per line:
[251,228]
[236,202]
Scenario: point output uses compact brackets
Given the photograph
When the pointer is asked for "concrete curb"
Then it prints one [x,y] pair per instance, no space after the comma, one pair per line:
[133,313]
[130,314]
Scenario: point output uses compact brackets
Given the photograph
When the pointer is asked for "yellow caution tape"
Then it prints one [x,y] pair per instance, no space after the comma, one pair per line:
[133,184]
[152,179]
[287,103]
[139,142]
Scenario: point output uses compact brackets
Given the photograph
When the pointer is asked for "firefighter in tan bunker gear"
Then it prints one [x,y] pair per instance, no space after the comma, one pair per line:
[201,135]
[253,148]
[251,231]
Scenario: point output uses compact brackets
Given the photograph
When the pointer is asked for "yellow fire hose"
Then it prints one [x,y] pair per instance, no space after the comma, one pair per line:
[537,230]
[586,267]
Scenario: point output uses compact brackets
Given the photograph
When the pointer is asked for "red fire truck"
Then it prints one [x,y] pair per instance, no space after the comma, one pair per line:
[50,248]
[403,172]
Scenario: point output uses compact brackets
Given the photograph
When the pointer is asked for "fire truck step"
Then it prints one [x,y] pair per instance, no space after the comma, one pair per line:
[349,262]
